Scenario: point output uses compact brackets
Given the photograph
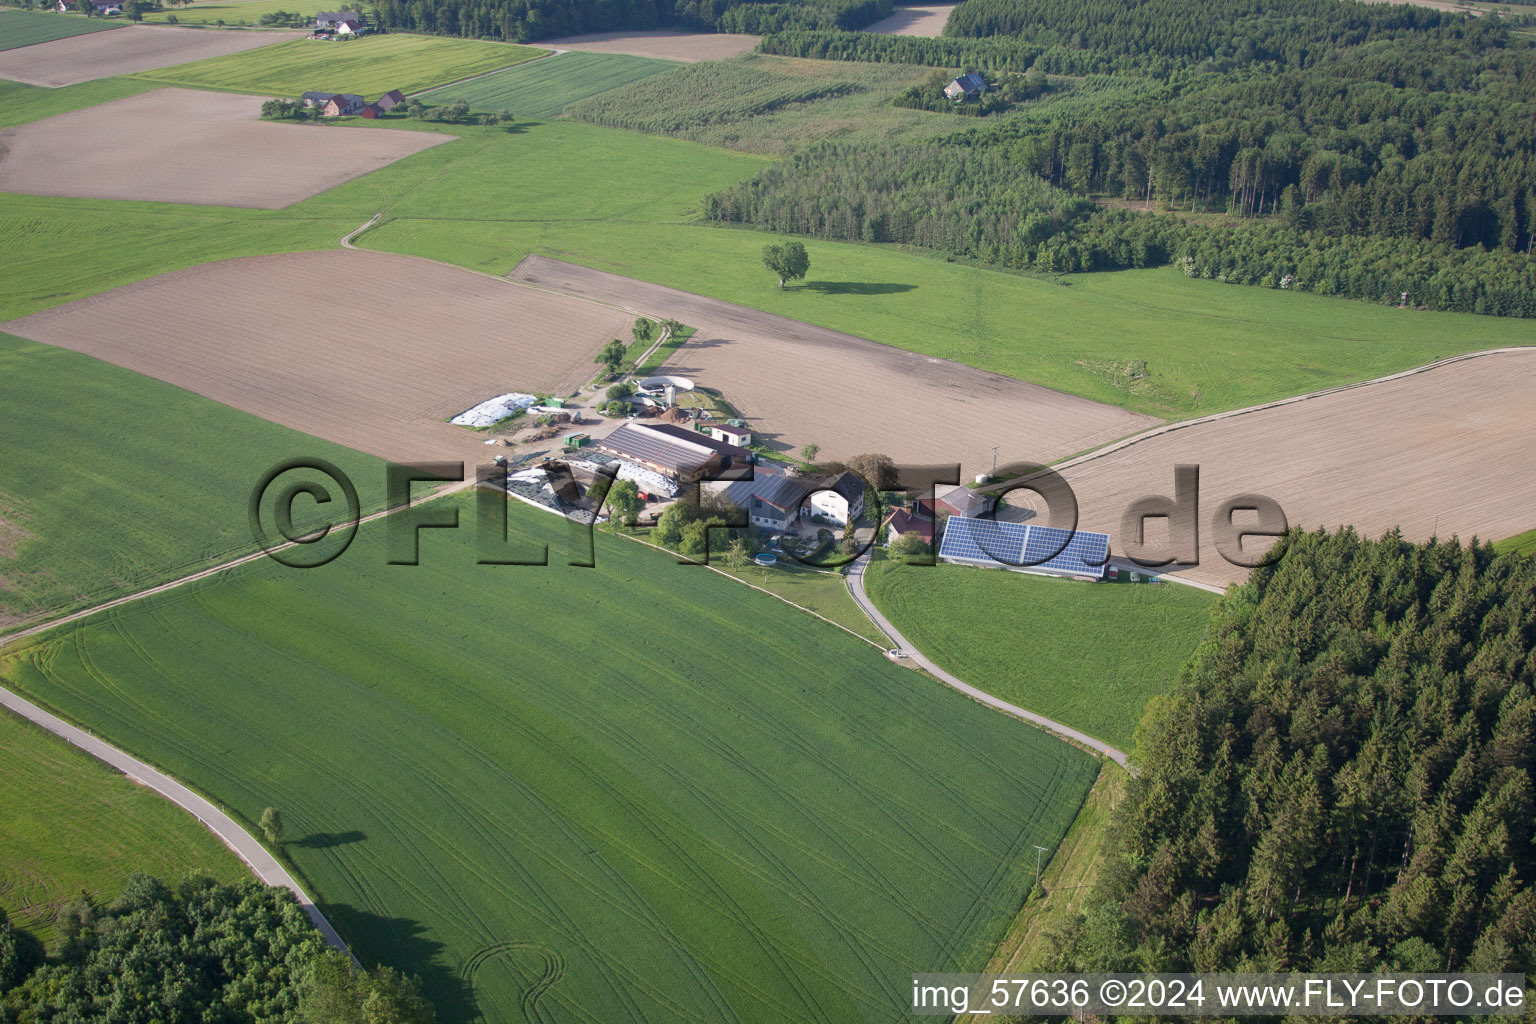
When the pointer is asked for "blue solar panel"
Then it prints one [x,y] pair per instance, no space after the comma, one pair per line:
[983,540]
[1022,546]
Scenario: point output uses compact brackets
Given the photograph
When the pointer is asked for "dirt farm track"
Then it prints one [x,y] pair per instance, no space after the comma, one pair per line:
[188,146]
[1448,450]
[126,50]
[797,383]
[370,350]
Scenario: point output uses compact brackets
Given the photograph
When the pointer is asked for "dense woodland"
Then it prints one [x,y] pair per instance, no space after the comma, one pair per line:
[525,20]
[196,953]
[1343,148]
[1342,781]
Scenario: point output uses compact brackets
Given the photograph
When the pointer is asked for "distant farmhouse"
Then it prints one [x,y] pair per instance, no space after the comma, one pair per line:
[346,104]
[343,23]
[966,87]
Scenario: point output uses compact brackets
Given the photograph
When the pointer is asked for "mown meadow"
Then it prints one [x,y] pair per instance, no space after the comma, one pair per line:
[564,792]
[368,66]
[69,824]
[24,28]
[1089,655]
[543,89]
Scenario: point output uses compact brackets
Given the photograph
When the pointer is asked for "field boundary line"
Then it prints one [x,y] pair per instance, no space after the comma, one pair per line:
[553,52]
[1168,428]
[855,580]
[347,242]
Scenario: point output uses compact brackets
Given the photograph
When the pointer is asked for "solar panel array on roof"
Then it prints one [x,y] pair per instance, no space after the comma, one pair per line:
[1023,546]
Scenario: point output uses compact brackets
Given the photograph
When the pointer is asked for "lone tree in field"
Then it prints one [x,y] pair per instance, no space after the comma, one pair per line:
[788,260]
[272,825]
[611,355]
[641,330]
[809,452]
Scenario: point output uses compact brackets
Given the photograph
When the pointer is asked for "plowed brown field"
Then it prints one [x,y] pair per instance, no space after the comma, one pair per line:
[797,383]
[370,350]
[1448,449]
[188,146]
[126,50]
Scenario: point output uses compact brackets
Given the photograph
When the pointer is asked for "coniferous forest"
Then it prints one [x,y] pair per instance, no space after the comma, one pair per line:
[1380,152]
[1342,781]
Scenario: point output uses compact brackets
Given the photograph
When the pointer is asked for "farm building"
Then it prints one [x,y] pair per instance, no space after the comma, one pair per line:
[904,524]
[678,458]
[966,87]
[370,111]
[339,21]
[740,436]
[343,104]
[841,499]
[390,100]
[953,500]
[772,501]
[1041,550]
[734,455]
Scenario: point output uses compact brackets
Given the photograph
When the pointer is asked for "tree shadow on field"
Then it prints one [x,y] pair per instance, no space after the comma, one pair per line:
[856,287]
[325,840]
[399,942]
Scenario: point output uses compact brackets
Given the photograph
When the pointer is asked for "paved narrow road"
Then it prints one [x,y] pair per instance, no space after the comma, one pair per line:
[262,863]
[856,588]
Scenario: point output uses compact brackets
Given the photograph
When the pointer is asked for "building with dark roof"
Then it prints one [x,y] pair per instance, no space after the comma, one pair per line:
[904,524]
[390,100]
[966,87]
[840,499]
[676,458]
[734,455]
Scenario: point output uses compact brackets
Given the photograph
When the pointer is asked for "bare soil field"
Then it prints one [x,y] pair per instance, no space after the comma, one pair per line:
[188,146]
[1449,449]
[927,20]
[136,48]
[369,350]
[687,47]
[796,383]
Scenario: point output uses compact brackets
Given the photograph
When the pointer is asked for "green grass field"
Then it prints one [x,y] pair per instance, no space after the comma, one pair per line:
[22,103]
[69,824]
[767,104]
[1520,544]
[234,12]
[1089,655]
[1208,346]
[113,481]
[545,88]
[368,66]
[23,28]
[491,774]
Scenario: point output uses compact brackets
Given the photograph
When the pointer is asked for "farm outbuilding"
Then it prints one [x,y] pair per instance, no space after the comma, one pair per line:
[966,87]
[679,458]
[731,433]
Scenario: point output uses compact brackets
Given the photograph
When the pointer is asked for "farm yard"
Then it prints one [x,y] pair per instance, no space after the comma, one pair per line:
[69,824]
[921,20]
[851,395]
[347,346]
[544,88]
[1091,656]
[83,58]
[368,66]
[672,832]
[25,28]
[96,506]
[1447,451]
[187,146]
[679,46]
